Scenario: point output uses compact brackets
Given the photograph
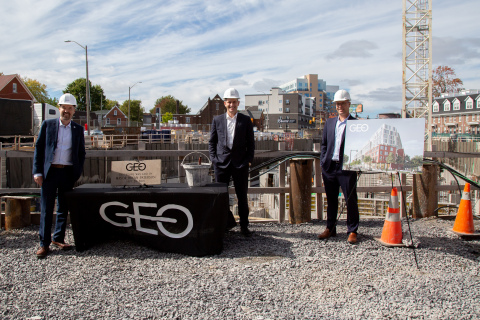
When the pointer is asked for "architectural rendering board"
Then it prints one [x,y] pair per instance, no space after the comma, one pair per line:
[384,145]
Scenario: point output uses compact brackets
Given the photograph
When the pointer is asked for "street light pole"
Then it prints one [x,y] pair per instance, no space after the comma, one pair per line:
[87,86]
[129,88]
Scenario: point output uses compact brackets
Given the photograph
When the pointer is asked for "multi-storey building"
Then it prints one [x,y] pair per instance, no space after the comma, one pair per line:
[284,112]
[384,147]
[457,114]
[312,87]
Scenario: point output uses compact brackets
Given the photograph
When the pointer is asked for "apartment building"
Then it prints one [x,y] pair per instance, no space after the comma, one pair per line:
[457,114]
[283,112]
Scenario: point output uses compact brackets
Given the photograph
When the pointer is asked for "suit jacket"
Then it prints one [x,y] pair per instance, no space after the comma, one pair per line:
[243,148]
[47,142]
[328,143]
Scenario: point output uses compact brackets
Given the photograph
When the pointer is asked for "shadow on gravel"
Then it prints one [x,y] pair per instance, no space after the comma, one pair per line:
[260,244]
[465,249]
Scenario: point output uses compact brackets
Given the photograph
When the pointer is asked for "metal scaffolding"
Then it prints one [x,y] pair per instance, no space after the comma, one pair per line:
[417,62]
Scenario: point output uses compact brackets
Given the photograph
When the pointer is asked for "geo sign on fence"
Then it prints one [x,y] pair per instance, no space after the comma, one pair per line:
[136,173]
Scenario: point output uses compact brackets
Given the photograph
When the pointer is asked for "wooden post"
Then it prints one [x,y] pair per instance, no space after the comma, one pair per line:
[181,171]
[402,195]
[17,212]
[281,204]
[425,195]
[300,190]
[318,183]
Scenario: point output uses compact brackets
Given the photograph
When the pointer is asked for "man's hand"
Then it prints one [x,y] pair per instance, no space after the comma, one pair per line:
[38,180]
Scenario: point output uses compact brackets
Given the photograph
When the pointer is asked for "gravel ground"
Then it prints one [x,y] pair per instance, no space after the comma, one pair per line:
[281,272]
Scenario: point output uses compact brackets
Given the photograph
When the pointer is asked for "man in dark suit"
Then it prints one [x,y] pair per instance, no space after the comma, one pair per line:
[332,148]
[231,148]
[57,164]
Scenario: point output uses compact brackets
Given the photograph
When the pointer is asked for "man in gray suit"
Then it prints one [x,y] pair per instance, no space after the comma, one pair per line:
[231,148]
[57,164]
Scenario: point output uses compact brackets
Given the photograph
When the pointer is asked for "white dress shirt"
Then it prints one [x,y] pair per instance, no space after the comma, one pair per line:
[339,130]
[231,122]
[63,151]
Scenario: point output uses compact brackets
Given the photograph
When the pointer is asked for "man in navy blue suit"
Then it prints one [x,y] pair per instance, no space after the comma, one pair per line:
[57,164]
[332,148]
[231,147]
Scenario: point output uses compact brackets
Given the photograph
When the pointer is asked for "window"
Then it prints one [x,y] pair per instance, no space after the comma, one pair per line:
[478,103]
[280,109]
[446,105]
[287,109]
[14,88]
[469,104]
[108,120]
[435,107]
[260,102]
[280,125]
[187,120]
[119,121]
[456,105]
[287,102]
[114,112]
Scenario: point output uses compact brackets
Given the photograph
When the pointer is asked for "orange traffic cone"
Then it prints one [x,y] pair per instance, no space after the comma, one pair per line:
[392,228]
[463,225]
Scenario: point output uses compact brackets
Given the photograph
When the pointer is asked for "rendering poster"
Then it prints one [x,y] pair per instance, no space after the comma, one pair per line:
[385,145]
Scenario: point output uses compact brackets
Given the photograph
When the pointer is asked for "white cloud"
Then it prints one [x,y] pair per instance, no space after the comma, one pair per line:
[195,49]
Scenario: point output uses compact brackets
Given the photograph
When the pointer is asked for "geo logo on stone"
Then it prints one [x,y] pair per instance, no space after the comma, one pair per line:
[359,127]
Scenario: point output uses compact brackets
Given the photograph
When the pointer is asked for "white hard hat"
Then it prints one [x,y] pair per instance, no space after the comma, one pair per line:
[67,98]
[231,93]
[341,95]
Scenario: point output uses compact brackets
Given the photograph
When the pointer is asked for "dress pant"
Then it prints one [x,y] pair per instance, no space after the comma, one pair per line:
[334,179]
[240,182]
[58,180]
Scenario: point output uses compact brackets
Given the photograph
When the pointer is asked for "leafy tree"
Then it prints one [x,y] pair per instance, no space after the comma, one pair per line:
[169,104]
[77,88]
[367,159]
[167,116]
[39,90]
[52,101]
[390,158]
[136,110]
[109,104]
[345,158]
[445,80]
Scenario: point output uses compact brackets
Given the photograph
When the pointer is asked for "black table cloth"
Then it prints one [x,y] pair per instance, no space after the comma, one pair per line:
[169,217]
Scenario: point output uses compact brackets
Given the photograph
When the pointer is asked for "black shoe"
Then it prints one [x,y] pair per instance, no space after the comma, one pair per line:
[245,232]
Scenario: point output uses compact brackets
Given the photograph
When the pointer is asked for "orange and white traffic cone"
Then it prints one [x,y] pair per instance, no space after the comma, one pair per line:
[463,225]
[392,228]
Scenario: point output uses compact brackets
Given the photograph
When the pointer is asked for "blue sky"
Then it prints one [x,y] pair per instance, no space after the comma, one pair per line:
[195,49]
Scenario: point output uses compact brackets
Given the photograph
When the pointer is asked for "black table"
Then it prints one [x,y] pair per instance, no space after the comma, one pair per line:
[168,217]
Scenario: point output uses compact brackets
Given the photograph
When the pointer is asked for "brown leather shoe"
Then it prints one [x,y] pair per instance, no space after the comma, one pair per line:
[326,234]
[42,252]
[62,246]
[352,238]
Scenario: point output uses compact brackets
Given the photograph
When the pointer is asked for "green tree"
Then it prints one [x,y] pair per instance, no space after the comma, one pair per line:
[391,158]
[38,89]
[169,104]
[136,110]
[345,159]
[167,116]
[77,88]
[445,80]
[109,104]
[52,101]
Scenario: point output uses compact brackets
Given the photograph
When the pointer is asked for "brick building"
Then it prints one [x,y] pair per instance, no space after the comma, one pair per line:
[12,87]
[457,114]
